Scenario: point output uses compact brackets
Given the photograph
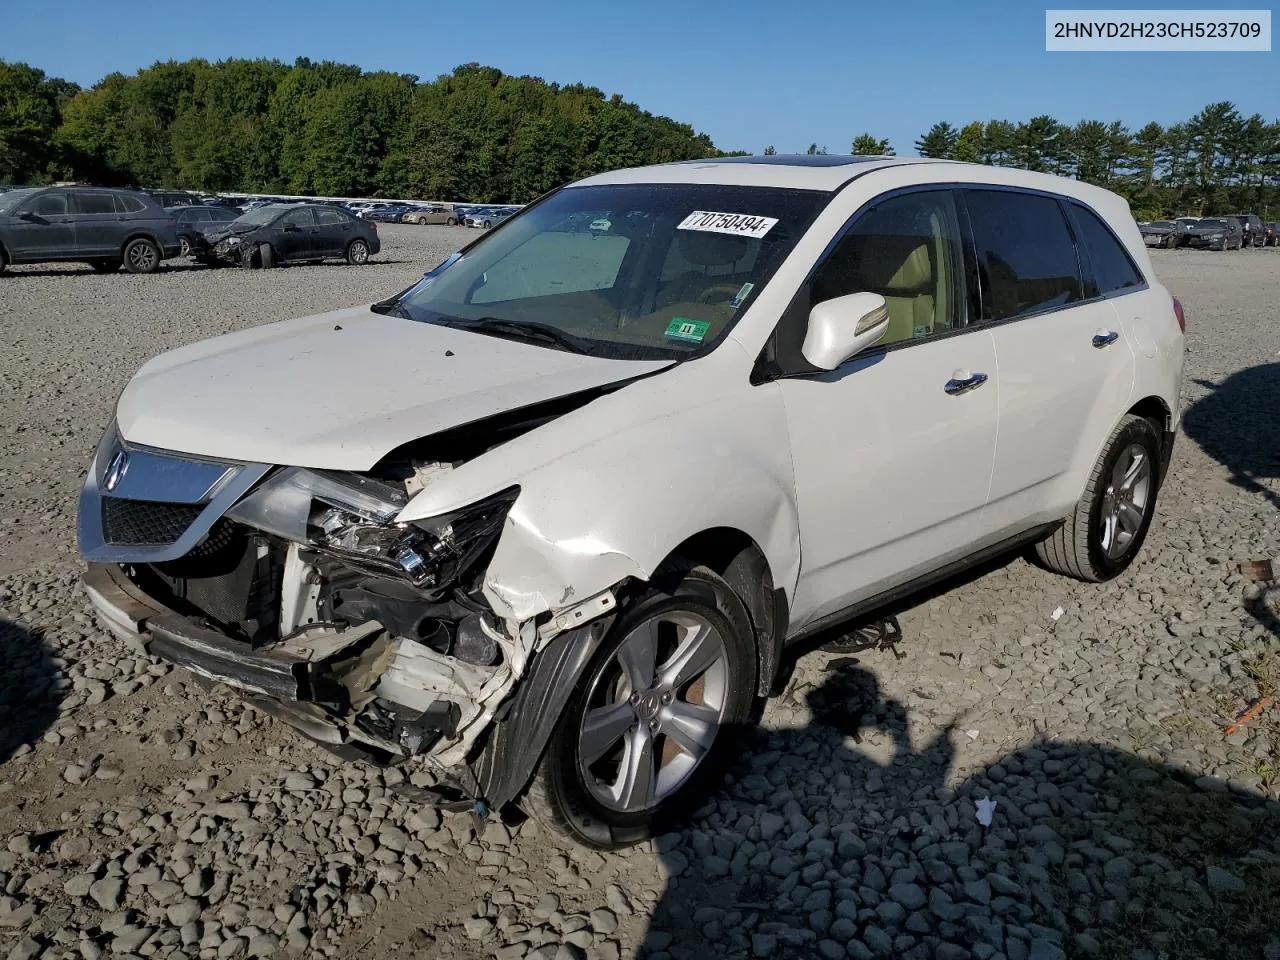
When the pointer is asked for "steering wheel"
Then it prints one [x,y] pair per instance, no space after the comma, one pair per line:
[719,293]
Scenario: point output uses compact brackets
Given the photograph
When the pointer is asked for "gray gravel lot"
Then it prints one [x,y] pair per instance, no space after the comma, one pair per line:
[141,815]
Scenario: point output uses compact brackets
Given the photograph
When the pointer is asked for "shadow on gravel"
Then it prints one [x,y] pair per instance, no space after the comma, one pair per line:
[814,849]
[29,693]
[1237,425]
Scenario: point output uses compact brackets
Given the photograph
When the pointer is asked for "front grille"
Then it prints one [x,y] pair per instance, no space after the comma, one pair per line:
[146,522]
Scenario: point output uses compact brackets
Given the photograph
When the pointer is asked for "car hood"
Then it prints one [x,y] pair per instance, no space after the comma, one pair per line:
[341,390]
[217,230]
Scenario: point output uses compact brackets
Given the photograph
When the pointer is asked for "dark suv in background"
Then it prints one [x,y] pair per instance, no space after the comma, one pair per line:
[103,227]
[1251,224]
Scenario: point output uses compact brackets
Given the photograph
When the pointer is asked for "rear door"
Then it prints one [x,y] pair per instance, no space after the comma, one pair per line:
[1064,367]
[334,230]
[100,227]
[44,229]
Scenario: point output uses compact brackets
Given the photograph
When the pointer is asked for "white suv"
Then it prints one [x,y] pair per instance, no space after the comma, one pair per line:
[542,524]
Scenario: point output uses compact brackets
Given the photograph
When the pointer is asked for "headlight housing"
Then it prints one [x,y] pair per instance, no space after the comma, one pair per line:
[353,517]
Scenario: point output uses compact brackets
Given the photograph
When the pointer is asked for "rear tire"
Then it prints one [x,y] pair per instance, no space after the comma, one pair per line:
[697,685]
[141,256]
[357,252]
[451,222]
[1105,531]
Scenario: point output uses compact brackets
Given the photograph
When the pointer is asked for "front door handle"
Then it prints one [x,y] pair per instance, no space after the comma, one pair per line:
[963,382]
[1104,338]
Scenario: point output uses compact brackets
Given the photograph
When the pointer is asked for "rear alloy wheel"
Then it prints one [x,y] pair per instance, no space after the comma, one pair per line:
[1105,531]
[357,252]
[141,256]
[646,733]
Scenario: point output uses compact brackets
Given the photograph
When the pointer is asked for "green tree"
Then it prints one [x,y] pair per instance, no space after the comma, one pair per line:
[30,111]
[769,151]
[865,145]
[939,142]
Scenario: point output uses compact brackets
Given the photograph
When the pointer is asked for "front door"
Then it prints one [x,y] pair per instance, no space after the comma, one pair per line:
[892,452]
[1065,366]
[44,229]
[296,237]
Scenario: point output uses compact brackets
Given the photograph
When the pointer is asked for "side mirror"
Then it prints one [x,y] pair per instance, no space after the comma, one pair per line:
[28,216]
[844,326]
[290,228]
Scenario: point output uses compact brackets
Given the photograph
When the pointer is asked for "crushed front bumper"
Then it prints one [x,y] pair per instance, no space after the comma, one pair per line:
[146,624]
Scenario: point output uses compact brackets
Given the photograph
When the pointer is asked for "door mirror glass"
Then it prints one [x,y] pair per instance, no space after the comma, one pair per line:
[844,326]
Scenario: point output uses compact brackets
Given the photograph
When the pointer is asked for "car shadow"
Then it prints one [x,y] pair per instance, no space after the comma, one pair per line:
[815,849]
[1236,424]
[30,691]
[19,271]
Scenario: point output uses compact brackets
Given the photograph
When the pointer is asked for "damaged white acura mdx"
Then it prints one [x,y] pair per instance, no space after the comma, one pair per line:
[541,526]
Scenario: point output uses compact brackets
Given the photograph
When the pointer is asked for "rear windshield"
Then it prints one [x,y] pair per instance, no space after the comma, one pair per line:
[635,271]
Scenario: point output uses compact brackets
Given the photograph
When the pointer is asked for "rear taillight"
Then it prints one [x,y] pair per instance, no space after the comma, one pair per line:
[1178,312]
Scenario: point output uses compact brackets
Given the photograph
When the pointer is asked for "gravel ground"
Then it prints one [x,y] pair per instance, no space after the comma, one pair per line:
[141,815]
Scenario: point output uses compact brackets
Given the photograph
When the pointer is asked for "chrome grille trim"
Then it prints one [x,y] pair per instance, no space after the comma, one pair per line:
[157,476]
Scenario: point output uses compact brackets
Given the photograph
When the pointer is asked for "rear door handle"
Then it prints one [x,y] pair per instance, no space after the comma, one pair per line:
[1104,338]
[962,382]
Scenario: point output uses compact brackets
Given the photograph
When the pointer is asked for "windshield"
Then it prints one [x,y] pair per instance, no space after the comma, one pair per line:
[259,215]
[1213,224]
[1160,223]
[637,271]
[13,199]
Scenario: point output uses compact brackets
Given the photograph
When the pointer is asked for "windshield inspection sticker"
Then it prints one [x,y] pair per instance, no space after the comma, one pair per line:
[743,292]
[736,224]
[690,331]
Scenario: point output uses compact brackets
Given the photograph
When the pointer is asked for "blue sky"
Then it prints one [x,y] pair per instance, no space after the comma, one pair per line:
[747,72]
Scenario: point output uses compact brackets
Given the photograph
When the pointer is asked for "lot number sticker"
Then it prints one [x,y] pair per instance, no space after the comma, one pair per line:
[690,331]
[735,224]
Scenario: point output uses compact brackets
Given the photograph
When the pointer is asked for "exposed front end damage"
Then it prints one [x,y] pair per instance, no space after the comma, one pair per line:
[300,590]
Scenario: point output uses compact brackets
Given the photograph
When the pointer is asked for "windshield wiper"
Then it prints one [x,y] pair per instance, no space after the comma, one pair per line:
[523,330]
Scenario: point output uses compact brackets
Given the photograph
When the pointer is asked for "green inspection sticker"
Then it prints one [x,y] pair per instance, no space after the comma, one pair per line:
[691,331]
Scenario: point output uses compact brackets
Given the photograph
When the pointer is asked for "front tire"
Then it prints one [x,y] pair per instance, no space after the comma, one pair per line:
[1105,531]
[654,718]
[141,256]
[266,255]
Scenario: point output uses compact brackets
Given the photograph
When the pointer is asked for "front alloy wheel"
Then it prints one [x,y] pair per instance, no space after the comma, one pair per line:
[653,711]
[645,736]
[1124,503]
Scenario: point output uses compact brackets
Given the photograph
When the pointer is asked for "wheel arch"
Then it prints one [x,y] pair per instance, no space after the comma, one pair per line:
[1157,412]
[141,235]
[742,564]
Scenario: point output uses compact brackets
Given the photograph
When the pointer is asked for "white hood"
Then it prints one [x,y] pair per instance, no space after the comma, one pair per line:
[341,390]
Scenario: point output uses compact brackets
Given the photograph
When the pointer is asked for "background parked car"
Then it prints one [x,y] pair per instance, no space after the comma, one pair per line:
[486,217]
[191,218]
[1162,233]
[95,225]
[1211,233]
[430,213]
[173,198]
[288,233]
[1271,235]
[391,213]
[1252,227]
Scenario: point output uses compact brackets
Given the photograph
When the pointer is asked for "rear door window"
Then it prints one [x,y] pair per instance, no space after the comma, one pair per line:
[1026,257]
[329,217]
[93,203]
[1113,269]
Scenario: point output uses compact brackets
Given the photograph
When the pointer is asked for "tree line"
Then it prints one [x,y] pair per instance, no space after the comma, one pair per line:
[262,126]
[1218,161]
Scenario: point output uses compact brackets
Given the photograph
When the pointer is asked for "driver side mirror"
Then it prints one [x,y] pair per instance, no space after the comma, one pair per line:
[28,216]
[844,326]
